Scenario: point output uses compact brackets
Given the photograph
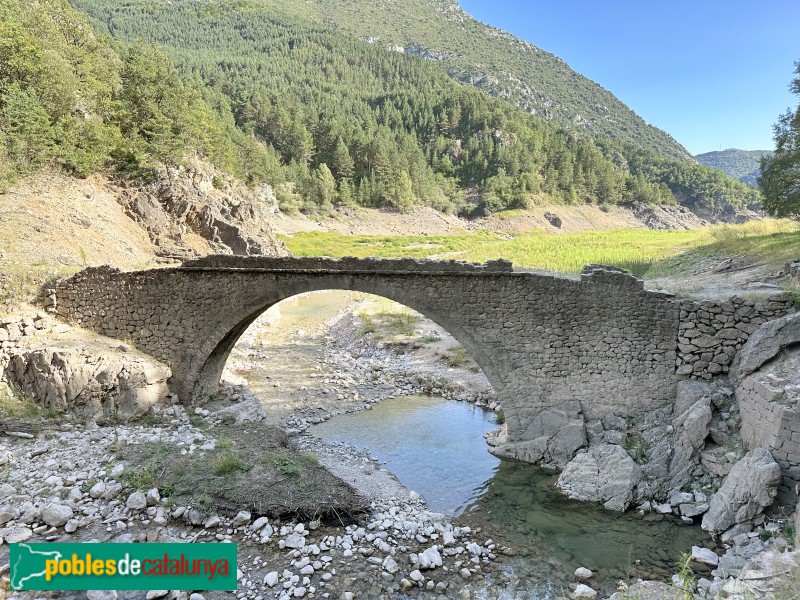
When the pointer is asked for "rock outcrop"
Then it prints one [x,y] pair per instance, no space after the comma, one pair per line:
[768,390]
[603,474]
[100,385]
[693,414]
[765,343]
[230,217]
[556,435]
[748,489]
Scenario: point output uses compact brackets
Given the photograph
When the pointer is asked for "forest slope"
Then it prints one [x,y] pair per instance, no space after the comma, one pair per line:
[354,122]
[738,164]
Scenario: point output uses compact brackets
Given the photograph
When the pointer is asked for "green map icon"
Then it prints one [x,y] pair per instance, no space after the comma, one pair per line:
[29,565]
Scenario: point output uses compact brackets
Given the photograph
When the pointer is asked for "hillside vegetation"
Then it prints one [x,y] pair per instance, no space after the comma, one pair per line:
[323,117]
[477,54]
[354,122]
[71,98]
[738,164]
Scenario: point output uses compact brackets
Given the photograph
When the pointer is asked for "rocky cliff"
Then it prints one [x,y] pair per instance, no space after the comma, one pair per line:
[197,198]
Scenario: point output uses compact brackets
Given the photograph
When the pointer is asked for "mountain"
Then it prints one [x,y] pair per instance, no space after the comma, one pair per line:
[357,121]
[489,59]
[739,164]
[323,117]
[470,51]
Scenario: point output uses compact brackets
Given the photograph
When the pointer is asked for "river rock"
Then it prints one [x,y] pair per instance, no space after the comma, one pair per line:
[583,591]
[390,565]
[7,514]
[646,590]
[212,521]
[430,559]
[101,595]
[153,497]
[605,473]
[16,535]
[748,489]
[97,490]
[705,556]
[242,518]
[136,501]
[583,573]
[56,515]
[295,540]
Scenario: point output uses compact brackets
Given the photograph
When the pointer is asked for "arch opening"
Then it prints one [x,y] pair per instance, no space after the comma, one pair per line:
[324,351]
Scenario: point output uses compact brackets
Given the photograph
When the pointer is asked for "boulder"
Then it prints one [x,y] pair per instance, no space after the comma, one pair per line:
[748,489]
[605,474]
[764,344]
[552,437]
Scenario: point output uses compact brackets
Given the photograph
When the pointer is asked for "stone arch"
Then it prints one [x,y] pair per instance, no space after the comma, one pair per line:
[225,337]
[558,351]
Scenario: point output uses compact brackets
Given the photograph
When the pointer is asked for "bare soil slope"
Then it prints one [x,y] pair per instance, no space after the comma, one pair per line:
[427,221]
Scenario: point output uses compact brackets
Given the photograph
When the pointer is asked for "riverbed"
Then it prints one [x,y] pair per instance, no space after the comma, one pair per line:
[436,447]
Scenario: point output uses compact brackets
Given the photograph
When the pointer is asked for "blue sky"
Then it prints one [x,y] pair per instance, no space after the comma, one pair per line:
[712,73]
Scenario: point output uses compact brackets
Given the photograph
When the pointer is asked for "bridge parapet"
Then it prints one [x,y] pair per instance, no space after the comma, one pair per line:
[348,264]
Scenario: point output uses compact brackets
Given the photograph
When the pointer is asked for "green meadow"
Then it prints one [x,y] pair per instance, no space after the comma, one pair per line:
[641,251]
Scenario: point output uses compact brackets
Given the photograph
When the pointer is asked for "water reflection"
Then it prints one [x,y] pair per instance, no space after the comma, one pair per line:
[436,447]
[522,502]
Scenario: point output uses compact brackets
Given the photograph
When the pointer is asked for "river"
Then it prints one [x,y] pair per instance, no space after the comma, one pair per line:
[436,447]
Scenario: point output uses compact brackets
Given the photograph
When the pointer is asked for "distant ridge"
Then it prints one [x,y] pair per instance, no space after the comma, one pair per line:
[739,164]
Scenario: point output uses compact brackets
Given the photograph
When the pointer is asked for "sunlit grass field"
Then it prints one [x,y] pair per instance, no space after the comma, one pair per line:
[641,251]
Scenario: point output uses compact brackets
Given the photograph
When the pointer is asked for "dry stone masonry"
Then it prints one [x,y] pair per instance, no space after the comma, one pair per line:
[559,351]
[712,332]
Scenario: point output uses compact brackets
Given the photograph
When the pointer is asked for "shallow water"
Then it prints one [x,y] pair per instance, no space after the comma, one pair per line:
[433,446]
[436,448]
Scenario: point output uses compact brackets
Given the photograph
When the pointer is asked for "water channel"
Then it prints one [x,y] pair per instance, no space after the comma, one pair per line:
[436,447]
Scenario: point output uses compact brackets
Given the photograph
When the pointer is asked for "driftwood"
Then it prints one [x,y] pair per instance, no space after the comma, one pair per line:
[16,429]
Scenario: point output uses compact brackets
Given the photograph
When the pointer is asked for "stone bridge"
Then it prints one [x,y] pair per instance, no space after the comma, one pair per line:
[558,350]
